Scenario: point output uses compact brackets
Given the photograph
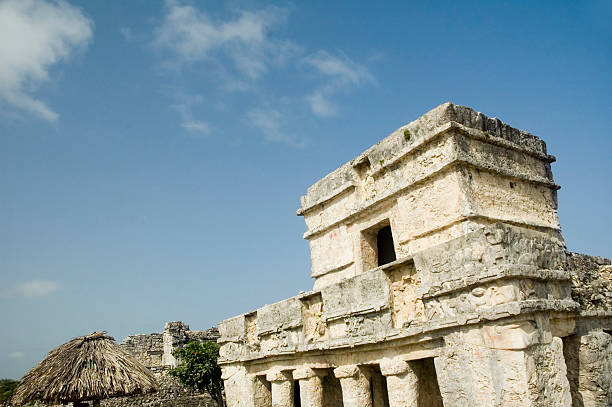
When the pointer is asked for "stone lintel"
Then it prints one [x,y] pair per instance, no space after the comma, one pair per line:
[346,371]
[279,376]
[394,367]
[307,372]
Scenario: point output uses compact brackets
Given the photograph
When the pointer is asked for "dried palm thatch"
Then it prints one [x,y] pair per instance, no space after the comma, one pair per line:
[90,367]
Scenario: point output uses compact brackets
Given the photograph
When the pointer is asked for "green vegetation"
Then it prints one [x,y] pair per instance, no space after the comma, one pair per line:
[198,368]
[7,387]
[406,135]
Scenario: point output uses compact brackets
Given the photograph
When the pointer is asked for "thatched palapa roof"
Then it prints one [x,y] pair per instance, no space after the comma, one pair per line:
[90,367]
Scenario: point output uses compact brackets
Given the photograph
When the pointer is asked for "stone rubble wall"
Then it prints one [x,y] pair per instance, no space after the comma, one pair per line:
[591,282]
[148,349]
[171,394]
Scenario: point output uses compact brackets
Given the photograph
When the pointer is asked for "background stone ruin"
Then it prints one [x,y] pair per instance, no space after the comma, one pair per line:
[155,352]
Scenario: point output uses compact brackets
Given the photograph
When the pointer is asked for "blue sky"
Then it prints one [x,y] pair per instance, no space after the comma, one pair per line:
[152,153]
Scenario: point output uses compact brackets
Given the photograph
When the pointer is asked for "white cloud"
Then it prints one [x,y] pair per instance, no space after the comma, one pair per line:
[37,289]
[341,69]
[341,74]
[192,35]
[196,126]
[270,122]
[126,33]
[320,105]
[34,36]
[16,355]
[184,107]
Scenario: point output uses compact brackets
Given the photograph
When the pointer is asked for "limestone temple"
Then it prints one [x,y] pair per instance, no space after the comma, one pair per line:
[441,278]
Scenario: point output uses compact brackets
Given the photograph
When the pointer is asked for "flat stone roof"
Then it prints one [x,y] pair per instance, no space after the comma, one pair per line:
[410,136]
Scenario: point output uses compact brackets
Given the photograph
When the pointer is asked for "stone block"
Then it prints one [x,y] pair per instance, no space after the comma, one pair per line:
[363,293]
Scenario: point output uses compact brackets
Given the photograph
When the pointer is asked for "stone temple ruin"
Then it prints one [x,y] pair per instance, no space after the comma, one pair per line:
[441,279]
[155,352]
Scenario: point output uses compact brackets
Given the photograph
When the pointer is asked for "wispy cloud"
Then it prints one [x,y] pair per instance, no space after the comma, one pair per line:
[126,33]
[237,51]
[196,126]
[271,123]
[34,36]
[340,69]
[320,105]
[341,74]
[16,355]
[184,106]
[33,289]
[191,35]
[38,288]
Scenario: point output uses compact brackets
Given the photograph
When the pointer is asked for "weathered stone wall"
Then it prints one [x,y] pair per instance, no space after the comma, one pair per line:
[171,394]
[148,349]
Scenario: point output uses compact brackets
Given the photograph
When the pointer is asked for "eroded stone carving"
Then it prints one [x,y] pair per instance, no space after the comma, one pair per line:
[406,305]
[251,331]
[315,328]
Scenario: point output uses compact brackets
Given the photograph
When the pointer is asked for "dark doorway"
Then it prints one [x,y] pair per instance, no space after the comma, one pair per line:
[378,388]
[429,391]
[571,354]
[385,246]
[297,400]
[332,391]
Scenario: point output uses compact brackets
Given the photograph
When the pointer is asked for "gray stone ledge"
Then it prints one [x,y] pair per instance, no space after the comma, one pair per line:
[472,217]
[333,194]
[500,273]
[595,314]
[482,315]
[279,316]
[381,200]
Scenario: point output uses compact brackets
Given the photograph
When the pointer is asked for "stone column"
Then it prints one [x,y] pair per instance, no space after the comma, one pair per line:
[355,386]
[239,386]
[282,388]
[311,386]
[402,383]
